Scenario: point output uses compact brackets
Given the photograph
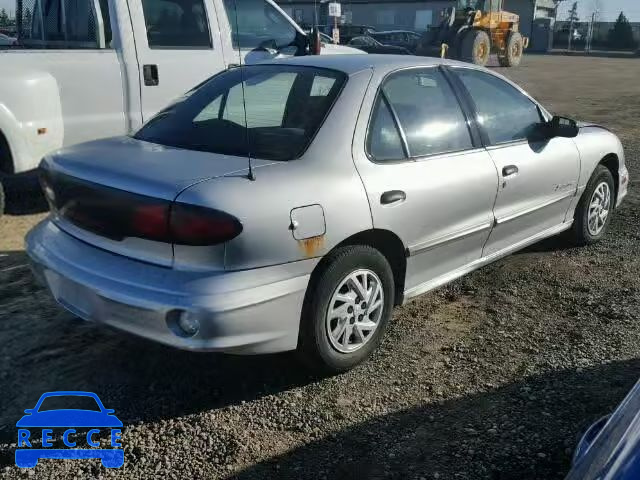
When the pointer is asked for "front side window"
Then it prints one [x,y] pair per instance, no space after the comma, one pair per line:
[180,24]
[256,23]
[285,107]
[505,113]
[428,112]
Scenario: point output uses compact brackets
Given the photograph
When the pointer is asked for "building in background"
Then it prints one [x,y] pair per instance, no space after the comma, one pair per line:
[536,16]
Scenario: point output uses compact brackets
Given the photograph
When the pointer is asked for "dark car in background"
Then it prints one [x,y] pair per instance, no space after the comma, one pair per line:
[348,32]
[371,45]
[399,38]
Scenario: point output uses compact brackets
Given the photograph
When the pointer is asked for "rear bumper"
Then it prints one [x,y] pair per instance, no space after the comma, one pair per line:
[245,312]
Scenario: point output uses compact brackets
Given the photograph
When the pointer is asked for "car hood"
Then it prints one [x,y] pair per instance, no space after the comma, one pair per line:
[142,167]
[69,418]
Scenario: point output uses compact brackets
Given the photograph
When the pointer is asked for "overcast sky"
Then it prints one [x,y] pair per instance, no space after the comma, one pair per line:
[611,8]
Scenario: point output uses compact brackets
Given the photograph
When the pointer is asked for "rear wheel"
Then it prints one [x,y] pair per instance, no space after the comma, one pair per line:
[475,47]
[513,52]
[347,309]
[593,213]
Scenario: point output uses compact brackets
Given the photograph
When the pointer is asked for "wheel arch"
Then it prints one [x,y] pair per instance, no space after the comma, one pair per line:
[612,163]
[6,155]
[389,245]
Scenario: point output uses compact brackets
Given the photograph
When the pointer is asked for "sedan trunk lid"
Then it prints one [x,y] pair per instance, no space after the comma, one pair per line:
[116,194]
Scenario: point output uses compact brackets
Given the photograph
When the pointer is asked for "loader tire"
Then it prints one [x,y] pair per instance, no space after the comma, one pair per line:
[475,47]
[514,51]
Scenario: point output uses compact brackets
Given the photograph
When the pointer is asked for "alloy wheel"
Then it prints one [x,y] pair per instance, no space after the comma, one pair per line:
[599,207]
[355,311]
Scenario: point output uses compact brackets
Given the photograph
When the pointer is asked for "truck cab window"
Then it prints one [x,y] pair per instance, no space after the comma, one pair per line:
[257,23]
[181,24]
[65,24]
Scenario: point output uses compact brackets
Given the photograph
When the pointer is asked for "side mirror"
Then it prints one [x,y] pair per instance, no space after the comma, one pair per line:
[29,411]
[315,43]
[563,127]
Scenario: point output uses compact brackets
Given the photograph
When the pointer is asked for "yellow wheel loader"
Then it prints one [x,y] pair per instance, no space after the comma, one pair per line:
[473,30]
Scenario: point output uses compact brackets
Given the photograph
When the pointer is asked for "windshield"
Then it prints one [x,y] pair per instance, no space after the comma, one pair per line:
[285,106]
[66,402]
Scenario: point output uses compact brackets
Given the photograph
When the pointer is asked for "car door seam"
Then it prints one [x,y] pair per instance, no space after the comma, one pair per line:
[434,242]
[512,216]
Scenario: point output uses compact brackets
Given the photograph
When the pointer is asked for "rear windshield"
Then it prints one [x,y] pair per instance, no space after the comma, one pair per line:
[285,107]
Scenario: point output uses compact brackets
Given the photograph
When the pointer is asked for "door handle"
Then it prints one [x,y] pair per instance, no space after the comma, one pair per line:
[509,170]
[150,75]
[392,196]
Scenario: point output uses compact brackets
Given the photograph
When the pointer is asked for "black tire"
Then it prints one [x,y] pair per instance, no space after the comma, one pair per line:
[579,233]
[314,347]
[1,199]
[514,51]
[475,47]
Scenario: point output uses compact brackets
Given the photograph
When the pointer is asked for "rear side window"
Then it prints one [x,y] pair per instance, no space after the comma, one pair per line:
[506,114]
[384,143]
[428,112]
[176,24]
[285,107]
[65,24]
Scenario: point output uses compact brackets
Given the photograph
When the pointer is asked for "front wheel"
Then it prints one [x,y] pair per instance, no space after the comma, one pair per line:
[475,47]
[593,212]
[347,309]
[512,56]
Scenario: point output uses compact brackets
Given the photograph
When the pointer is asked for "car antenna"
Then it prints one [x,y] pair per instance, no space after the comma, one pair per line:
[250,174]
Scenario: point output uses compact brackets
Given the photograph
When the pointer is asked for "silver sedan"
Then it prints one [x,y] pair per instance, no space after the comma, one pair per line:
[292,205]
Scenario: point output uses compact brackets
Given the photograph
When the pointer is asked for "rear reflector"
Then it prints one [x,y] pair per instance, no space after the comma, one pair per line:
[118,214]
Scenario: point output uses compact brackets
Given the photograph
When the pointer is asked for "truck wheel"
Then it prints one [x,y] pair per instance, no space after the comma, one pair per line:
[514,51]
[346,310]
[475,47]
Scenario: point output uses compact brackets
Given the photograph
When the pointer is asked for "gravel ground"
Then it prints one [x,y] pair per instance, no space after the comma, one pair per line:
[494,376]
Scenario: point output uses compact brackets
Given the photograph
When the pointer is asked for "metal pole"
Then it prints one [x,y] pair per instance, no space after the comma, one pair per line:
[19,18]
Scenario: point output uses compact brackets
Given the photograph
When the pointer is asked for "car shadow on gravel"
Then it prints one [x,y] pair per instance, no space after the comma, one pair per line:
[23,195]
[539,419]
[44,348]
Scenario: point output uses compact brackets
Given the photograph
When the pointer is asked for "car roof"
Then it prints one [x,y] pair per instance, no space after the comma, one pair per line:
[354,63]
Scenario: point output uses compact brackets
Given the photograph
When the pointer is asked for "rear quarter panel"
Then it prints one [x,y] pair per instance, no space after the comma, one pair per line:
[325,175]
[76,95]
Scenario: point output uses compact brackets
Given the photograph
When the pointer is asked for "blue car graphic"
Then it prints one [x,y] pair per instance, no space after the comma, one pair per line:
[68,418]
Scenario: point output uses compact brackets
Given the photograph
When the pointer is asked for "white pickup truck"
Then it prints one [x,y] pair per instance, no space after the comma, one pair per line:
[87,69]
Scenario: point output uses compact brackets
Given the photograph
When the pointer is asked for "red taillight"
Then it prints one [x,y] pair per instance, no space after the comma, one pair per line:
[152,222]
[199,226]
[119,214]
